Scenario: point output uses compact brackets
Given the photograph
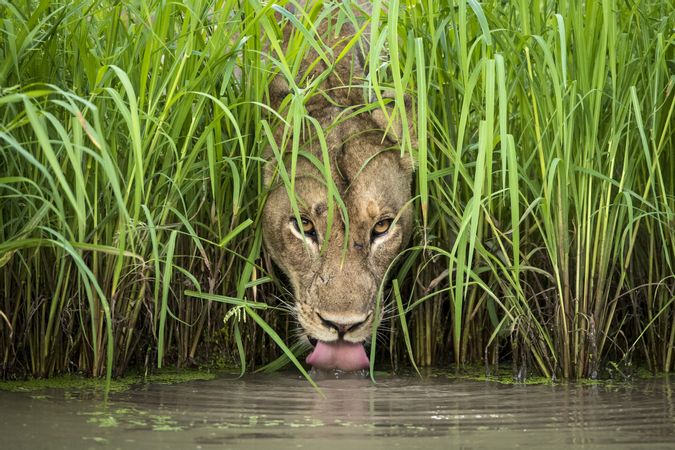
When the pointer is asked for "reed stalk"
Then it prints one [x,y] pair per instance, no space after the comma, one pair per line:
[132,136]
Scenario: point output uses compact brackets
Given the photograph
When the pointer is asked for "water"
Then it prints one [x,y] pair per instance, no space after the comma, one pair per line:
[283,412]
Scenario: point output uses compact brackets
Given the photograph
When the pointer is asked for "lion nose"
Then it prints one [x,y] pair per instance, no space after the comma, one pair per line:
[343,326]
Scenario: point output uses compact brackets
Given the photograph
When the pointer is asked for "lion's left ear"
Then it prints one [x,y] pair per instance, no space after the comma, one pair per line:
[269,167]
[393,126]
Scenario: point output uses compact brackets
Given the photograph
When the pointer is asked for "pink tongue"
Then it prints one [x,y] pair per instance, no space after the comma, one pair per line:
[342,355]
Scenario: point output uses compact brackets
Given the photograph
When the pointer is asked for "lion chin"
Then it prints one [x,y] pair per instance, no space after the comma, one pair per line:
[336,251]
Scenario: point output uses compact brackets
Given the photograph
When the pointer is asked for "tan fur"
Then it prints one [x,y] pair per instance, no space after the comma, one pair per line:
[373,181]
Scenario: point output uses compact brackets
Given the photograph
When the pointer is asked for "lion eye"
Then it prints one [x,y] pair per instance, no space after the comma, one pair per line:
[381,227]
[305,226]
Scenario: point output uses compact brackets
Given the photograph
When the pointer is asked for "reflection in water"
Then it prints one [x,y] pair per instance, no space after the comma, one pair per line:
[283,411]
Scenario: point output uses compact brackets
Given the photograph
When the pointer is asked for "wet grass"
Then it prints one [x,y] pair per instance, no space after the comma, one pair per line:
[131,143]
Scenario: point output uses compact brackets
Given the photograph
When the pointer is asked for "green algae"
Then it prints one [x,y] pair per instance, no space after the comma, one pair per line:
[509,379]
[179,377]
[65,382]
[164,423]
[82,383]
[40,397]
[505,376]
[104,422]
[472,373]
[132,418]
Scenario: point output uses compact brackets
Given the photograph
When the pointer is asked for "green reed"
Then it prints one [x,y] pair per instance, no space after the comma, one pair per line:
[132,137]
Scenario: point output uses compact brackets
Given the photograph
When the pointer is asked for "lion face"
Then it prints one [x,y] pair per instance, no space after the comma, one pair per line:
[336,269]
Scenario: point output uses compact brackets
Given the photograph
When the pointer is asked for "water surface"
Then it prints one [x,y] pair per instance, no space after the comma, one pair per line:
[282,411]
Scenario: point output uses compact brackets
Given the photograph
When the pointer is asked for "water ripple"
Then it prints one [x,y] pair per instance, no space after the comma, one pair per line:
[283,411]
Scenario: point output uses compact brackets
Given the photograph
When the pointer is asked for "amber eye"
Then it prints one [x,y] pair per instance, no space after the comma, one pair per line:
[305,226]
[381,227]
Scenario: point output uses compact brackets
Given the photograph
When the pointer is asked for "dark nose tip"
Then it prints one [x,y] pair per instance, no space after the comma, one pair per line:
[342,327]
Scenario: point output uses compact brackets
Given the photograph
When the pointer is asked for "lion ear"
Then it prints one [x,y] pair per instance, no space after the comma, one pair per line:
[270,168]
[392,124]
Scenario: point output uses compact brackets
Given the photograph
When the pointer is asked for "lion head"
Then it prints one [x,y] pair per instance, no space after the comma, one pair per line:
[335,267]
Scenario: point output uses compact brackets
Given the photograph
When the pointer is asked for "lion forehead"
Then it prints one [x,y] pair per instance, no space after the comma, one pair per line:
[380,186]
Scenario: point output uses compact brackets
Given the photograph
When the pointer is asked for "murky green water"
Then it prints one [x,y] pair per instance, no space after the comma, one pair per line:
[282,411]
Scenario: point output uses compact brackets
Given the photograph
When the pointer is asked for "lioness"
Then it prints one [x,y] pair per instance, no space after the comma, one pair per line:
[334,288]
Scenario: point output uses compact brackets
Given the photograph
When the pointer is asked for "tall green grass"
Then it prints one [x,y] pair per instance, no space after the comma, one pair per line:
[131,143]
